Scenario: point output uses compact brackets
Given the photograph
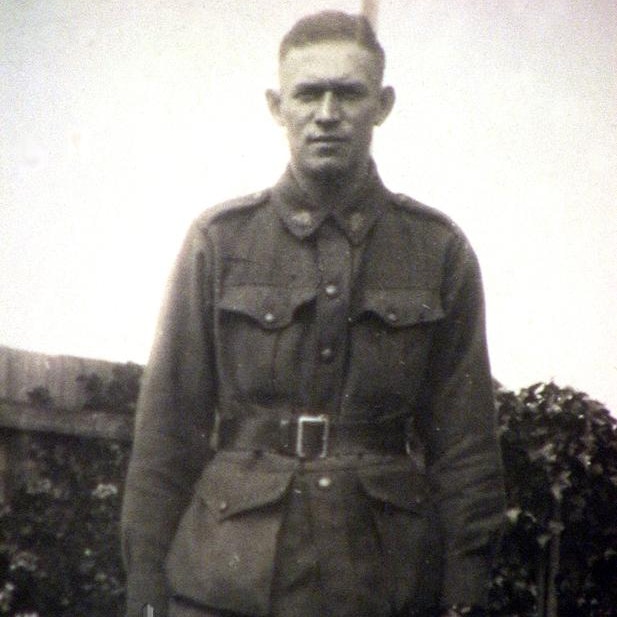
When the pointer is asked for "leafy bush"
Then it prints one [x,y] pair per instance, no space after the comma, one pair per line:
[40,397]
[560,457]
[59,536]
[59,540]
[117,394]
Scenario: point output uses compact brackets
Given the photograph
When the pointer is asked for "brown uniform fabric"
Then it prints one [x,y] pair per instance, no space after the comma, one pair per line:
[278,307]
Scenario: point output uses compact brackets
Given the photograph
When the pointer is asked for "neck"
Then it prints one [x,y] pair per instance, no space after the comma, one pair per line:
[329,190]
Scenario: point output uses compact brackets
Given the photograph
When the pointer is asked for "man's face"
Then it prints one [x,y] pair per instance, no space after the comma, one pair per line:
[330,100]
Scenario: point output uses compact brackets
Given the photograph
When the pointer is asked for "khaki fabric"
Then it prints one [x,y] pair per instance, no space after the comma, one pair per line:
[276,306]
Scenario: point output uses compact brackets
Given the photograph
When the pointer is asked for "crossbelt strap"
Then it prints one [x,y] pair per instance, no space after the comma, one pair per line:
[279,435]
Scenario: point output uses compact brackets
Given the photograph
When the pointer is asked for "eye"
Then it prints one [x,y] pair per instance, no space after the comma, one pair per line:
[308,95]
[350,92]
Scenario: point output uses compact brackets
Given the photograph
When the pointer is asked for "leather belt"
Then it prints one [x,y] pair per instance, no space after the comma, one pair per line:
[308,436]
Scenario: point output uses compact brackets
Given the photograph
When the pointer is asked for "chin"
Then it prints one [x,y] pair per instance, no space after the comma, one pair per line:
[327,169]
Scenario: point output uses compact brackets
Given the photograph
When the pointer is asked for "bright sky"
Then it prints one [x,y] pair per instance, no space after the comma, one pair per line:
[122,119]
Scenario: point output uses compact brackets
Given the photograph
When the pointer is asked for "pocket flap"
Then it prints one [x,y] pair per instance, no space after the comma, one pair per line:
[273,307]
[404,488]
[227,490]
[402,307]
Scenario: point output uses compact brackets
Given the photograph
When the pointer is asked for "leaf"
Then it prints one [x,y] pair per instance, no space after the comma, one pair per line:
[543,539]
[596,469]
[512,514]
[556,527]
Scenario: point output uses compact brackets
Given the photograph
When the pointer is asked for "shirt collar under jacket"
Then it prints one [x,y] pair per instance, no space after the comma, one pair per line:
[355,217]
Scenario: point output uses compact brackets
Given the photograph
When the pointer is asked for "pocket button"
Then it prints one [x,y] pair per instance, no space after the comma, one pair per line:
[325,482]
[331,290]
[326,354]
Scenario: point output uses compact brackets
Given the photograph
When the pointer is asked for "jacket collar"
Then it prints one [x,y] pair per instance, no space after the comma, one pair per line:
[356,216]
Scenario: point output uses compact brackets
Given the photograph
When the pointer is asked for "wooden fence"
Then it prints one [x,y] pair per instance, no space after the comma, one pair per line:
[21,374]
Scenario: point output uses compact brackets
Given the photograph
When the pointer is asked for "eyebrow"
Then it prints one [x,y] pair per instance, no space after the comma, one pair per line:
[335,85]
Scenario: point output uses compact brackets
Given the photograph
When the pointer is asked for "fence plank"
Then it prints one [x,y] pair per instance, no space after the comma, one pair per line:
[22,371]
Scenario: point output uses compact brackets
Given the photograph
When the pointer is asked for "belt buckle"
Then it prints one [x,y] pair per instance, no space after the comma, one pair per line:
[305,429]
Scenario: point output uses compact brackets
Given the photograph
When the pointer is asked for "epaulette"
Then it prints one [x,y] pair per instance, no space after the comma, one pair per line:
[232,206]
[423,211]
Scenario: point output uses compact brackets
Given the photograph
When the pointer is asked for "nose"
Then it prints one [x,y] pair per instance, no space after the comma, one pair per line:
[329,110]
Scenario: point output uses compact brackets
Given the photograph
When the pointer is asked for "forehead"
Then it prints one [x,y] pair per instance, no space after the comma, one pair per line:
[329,61]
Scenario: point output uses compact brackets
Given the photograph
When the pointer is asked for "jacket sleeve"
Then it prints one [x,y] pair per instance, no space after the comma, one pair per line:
[460,430]
[172,429]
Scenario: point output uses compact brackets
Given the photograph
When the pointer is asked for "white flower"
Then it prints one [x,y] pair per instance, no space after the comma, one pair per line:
[24,560]
[6,595]
[103,491]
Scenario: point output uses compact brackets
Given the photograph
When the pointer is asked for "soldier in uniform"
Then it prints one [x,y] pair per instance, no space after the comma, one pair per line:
[315,433]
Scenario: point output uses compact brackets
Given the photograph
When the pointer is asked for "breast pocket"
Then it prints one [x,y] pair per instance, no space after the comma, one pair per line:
[392,335]
[400,308]
[262,329]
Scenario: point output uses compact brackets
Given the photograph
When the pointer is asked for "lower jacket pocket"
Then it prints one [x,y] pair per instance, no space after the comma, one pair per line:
[223,553]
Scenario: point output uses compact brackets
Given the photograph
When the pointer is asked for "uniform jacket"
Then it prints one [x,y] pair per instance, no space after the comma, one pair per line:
[275,306]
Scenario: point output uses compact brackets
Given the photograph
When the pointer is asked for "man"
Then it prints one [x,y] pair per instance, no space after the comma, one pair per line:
[315,433]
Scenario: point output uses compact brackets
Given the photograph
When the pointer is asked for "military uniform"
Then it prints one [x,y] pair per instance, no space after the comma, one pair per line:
[315,433]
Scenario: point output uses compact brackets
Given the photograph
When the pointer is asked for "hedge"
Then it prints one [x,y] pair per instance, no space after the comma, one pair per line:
[59,536]
[560,456]
[59,542]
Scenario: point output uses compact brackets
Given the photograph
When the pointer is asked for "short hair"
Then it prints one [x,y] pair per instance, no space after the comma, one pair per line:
[333,26]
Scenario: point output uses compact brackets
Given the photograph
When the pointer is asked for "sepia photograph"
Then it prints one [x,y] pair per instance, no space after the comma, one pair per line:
[308,309]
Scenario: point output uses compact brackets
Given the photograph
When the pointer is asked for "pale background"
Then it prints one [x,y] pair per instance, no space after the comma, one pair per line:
[122,119]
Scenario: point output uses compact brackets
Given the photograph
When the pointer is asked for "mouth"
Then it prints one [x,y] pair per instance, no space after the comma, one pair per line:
[327,139]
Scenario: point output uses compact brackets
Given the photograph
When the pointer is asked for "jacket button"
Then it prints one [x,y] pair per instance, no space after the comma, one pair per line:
[302,218]
[326,354]
[324,482]
[269,317]
[223,506]
[331,290]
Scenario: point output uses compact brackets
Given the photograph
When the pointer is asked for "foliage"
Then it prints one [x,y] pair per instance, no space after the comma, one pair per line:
[40,397]
[118,394]
[560,457]
[59,552]
[59,545]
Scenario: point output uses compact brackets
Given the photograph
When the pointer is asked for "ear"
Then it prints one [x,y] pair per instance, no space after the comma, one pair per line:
[274,105]
[387,97]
